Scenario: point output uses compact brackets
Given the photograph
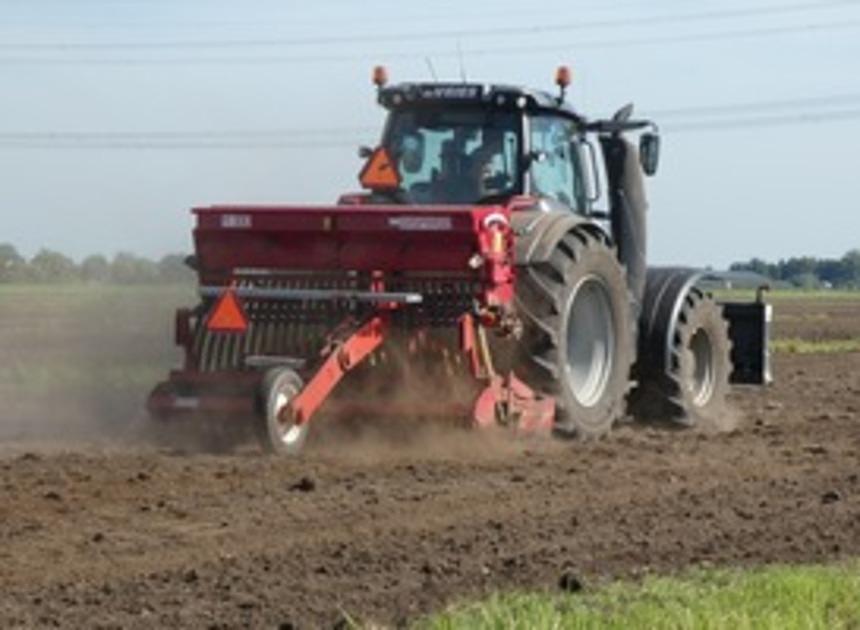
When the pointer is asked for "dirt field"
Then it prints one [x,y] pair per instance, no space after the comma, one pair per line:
[97,529]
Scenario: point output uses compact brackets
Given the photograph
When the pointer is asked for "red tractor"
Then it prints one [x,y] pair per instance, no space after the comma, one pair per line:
[477,273]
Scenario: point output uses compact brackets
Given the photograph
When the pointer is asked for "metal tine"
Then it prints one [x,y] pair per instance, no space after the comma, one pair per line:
[217,345]
[205,351]
[228,358]
[292,311]
[266,323]
[199,339]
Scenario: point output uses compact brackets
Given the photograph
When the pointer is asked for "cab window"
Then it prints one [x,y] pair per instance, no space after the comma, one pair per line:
[555,169]
[455,156]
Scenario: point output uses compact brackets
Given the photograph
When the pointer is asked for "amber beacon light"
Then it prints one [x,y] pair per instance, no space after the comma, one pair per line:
[380,76]
[562,80]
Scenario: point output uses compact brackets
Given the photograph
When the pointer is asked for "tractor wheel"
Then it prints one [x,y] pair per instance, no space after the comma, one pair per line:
[278,388]
[700,363]
[693,391]
[577,342]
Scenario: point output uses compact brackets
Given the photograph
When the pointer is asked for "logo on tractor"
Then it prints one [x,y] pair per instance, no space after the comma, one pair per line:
[236,221]
[421,224]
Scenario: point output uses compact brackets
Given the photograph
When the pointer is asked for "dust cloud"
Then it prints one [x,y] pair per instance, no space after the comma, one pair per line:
[78,362]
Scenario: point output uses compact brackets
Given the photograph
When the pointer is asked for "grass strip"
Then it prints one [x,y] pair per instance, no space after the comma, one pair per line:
[815,346]
[770,598]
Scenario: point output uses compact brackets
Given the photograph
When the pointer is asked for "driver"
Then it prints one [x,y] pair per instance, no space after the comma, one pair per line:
[484,163]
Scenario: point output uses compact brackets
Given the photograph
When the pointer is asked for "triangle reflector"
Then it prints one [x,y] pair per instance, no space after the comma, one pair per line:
[228,315]
[379,173]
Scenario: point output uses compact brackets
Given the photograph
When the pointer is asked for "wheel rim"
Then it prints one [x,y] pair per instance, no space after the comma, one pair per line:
[288,432]
[590,341]
[702,381]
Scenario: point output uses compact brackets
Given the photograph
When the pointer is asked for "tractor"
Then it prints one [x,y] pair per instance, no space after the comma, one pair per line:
[493,270]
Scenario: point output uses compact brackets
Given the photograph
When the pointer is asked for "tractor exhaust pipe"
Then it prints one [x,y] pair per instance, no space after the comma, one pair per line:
[627,208]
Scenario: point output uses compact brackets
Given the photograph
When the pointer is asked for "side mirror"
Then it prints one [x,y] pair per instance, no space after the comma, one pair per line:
[364,152]
[649,152]
[623,114]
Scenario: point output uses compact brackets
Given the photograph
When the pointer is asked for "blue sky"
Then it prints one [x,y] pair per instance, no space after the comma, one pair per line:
[769,172]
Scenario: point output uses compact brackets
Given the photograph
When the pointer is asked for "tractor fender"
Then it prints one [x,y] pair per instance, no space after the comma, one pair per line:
[666,288]
[537,232]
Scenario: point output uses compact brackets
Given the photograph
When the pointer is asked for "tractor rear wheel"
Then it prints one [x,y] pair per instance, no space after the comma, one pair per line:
[277,390]
[693,390]
[577,342]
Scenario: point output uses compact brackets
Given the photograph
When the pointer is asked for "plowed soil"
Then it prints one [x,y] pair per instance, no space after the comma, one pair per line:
[386,529]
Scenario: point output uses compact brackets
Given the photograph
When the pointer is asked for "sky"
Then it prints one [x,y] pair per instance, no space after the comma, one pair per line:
[117,116]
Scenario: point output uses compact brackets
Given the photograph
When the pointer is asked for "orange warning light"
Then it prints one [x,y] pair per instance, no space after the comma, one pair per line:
[379,173]
[380,76]
[228,316]
[562,76]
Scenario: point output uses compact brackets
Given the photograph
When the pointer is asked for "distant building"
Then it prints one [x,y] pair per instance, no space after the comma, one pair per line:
[739,280]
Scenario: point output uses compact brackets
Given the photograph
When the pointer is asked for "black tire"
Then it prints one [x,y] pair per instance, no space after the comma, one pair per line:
[582,287]
[693,391]
[278,387]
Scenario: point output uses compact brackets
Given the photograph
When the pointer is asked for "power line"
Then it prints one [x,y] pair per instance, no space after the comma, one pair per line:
[279,135]
[224,135]
[517,30]
[171,146]
[562,48]
[765,121]
[797,118]
[733,108]
[819,108]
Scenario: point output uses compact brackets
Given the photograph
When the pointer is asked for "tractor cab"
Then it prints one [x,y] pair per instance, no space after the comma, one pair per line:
[476,144]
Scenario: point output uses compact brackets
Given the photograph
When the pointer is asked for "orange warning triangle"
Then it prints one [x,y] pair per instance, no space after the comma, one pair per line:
[228,315]
[379,173]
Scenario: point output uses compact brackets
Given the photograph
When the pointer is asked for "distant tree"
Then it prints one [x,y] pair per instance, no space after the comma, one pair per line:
[127,268]
[851,268]
[809,272]
[797,267]
[50,266]
[756,265]
[12,264]
[806,281]
[95,268]
[172,268]
[834,272]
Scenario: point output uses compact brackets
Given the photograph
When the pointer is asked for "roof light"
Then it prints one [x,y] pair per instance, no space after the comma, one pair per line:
[562,77]
[562,80]
[380,76]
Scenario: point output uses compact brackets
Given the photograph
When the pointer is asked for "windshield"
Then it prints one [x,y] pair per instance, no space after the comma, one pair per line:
[454,157]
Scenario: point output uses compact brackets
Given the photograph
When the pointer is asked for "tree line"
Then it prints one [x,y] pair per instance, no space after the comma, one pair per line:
[124,268]
[807,272]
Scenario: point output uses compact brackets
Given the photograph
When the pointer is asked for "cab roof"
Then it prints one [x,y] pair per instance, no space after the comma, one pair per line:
[477,95]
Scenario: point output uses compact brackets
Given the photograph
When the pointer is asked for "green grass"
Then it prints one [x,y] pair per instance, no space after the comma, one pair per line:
[819,346]
[776,598]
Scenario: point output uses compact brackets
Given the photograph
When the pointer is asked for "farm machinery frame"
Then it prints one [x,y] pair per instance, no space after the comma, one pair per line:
[477,265]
